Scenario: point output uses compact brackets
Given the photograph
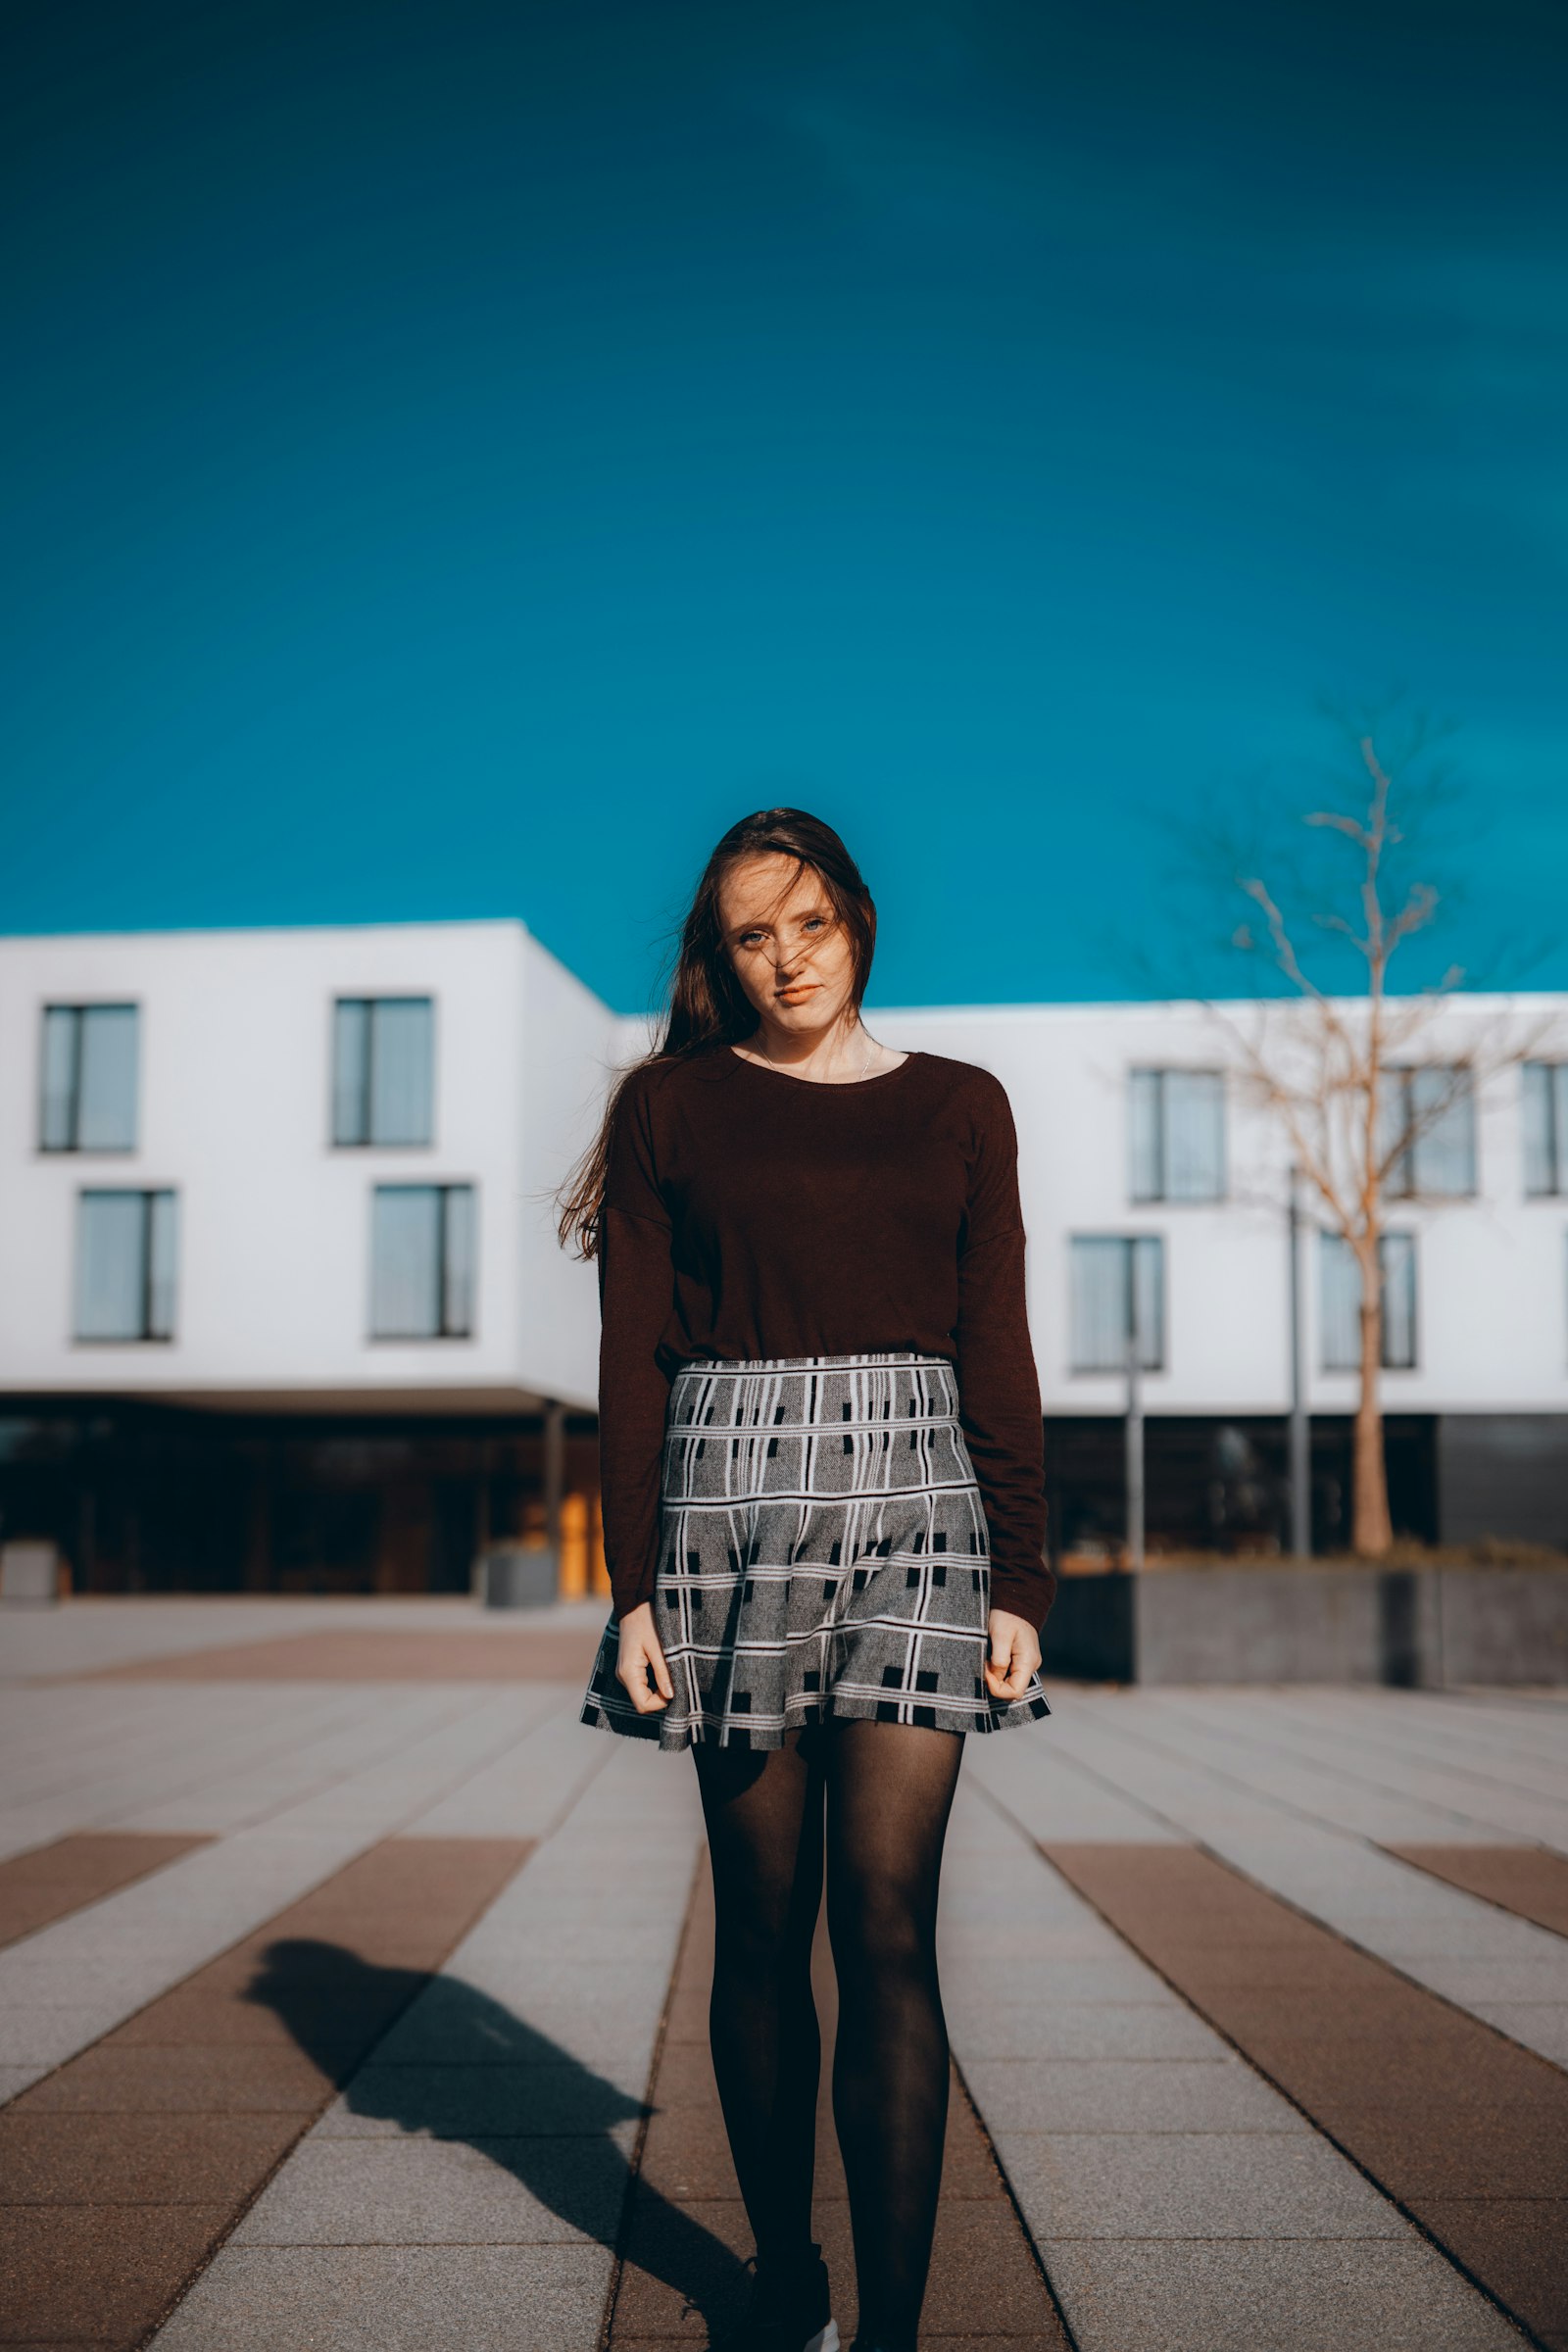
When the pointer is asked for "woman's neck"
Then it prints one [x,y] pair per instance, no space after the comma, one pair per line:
[836,1057]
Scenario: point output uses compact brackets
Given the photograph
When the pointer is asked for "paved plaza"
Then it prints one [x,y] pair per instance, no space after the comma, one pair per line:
[352,1997]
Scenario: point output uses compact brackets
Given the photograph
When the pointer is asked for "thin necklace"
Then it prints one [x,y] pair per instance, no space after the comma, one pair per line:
[865,1066]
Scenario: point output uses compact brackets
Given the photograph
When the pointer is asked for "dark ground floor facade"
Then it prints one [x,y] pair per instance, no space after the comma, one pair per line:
[154,1498]
[145,1497]
[1218,1483]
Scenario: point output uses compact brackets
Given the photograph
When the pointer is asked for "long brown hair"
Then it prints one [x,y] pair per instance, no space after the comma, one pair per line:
[708,1009]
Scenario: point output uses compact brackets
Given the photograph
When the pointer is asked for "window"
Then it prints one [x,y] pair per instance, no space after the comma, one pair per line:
[126,1247]
[383,1061]
[1442,1156]
[1546,1115]
[423,1261]
[1116,1277]
[89,1078]
[1339,1301]
[1177,1128]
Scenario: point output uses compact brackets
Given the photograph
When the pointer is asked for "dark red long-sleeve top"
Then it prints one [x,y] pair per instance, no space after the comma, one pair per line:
[748,1213]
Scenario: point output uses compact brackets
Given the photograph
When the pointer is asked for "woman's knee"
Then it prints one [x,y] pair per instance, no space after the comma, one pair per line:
[881,1924]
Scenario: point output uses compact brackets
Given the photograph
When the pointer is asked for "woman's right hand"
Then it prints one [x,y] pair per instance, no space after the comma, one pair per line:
[640,1667]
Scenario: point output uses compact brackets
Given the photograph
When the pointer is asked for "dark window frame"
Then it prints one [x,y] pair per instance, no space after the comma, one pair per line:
[445,1330]
[146,1337]
[1409,1236]
[1128,1243]
[80,1010]
[1401,1180]
[1163,1071]
[366,1140]
[1556,1129]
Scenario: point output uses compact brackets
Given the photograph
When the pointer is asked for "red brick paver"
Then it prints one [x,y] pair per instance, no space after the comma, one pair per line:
[553,1655]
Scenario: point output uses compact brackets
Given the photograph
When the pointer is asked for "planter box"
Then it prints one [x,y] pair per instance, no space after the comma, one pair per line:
[29,1575]
[1415,1627]
[518,1576]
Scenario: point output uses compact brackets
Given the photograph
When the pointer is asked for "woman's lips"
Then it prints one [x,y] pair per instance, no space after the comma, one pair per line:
[796,996]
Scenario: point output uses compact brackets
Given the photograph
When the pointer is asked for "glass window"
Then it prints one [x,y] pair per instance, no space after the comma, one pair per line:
[423,1261]
[126,1251]
[1397,1270]
[1145,1130]
[1430,1111]
[350,1071]
[1339,1302]
[89,1078]
[1544,1104]
[458,1260]
[1118,1281]
[1176,1126]
[383,1070]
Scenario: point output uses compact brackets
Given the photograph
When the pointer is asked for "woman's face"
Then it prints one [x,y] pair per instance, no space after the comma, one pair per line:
[791,954]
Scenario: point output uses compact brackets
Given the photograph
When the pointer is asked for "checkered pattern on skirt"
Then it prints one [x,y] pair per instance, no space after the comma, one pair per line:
[822,1553]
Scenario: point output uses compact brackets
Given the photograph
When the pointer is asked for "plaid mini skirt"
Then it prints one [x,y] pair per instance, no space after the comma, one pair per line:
[822,1553]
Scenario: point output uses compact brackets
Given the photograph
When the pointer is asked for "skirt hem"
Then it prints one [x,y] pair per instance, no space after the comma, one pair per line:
[701,1732]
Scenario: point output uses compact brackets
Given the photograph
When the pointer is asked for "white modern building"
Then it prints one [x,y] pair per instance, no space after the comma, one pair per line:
[281,1304]
[279,1295]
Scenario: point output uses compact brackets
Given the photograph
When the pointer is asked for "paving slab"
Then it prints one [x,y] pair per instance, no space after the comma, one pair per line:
[119,2078]
[1522,2243]
[1271,2296]
[1033,2030]
[1541,2026]
[1251,2184]
[112,2270]
[56,2157]
[419,2192]
[41,2035]
[1126,2095]
[449,2102]
[393,2299]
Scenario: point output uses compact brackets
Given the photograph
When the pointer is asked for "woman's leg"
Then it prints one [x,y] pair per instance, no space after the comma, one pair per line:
[764,1832]
[889,1793]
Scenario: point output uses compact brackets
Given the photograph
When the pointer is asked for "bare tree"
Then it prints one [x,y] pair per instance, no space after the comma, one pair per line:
[1328,1066]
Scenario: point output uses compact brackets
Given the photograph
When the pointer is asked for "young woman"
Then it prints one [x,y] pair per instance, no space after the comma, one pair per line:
[824,1508]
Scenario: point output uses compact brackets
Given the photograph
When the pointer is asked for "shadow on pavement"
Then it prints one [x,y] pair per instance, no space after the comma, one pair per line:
[486,2078]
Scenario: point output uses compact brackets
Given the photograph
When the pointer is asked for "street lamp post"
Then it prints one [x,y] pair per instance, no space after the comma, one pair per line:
[1135,1428]
[1300,1448]
[555,1473]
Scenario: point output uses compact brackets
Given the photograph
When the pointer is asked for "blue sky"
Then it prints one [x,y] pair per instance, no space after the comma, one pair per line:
[463,457]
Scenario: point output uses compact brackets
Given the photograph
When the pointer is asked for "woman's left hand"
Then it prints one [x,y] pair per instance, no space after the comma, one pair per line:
[1014,1656]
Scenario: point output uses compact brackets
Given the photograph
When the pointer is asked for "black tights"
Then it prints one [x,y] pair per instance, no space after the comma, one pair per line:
[873,1799]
